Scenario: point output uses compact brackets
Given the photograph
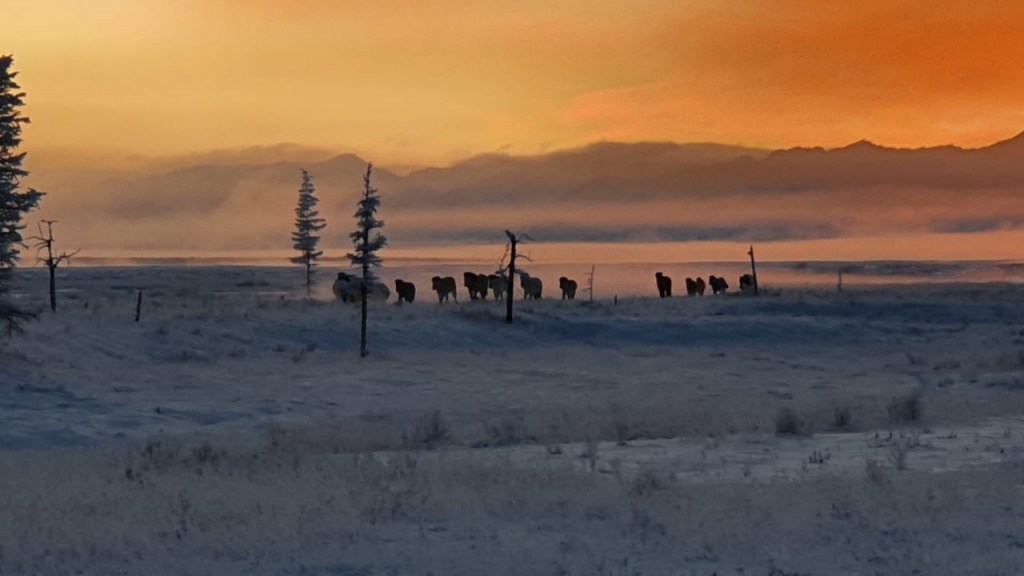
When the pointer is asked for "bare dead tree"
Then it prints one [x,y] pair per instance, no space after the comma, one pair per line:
[513,244]
[52,261]
[753,268]
[502,267]
[590,282]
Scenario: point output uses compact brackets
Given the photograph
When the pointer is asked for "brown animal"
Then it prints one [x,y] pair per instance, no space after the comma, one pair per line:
[406,291]
[701,286]
[746,283]
[718,285]
[664,285]
[691,287]
[476,284]
[568,287]
[498,285]
[444,287]
[532,287]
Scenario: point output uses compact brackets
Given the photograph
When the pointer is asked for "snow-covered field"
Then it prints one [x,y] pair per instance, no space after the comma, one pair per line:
[235,430]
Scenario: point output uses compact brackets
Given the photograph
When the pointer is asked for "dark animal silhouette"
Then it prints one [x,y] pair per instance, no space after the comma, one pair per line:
[476,284]
[718,285]
[701,286]
[568,287]
[691,287]
[532,287]
[444,287]
[746,283]
[498,285]
[664,285]
[406,291]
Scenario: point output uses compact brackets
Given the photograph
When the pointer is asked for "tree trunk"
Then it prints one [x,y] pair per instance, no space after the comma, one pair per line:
[366,288]
[753,269]
[308,281]
[591,282]
[53,287]
[511,281]
[363,352]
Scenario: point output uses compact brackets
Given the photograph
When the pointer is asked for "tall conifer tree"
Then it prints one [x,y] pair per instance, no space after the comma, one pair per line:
[367,243]
[14,204]
[307,225]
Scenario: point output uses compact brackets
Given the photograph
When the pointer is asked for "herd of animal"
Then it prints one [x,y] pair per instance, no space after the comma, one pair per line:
[347,287]
[698,287]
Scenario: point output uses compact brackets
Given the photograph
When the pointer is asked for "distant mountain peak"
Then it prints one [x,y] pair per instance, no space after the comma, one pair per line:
[862,145]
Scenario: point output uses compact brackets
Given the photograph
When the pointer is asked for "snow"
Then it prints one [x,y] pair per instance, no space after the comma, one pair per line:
[235,430]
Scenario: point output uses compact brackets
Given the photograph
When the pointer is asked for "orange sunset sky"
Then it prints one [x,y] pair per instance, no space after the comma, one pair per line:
[414,82]
[180,125]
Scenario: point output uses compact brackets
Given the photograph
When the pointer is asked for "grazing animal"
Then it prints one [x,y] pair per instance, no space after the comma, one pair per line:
[348,288]
[444,287]
[718,285]
[498,285]
[568,287]
[746,283]
[476,284]
[701,286]
[664,285]
[691,287]
[532,287]
[406,291]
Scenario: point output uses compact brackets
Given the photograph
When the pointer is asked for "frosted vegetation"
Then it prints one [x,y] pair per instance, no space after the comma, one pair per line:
[235,430]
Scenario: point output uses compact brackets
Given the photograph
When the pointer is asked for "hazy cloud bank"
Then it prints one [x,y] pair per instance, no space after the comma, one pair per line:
[605,192]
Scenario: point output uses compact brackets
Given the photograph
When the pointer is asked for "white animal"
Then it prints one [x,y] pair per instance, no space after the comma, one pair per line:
[347,289]
[498,284]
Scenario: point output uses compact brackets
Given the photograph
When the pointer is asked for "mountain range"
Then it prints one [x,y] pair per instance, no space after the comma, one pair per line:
[605,191]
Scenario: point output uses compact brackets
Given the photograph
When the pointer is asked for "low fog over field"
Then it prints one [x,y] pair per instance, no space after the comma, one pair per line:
[235,430]
[853,202]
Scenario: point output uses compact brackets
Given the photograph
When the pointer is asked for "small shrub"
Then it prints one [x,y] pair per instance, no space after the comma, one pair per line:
[842,418]
[620,427]
[204,454]
[647,482]
[906,408]
[276,435]
[899,456]
[509,432]
[781,572]
[787,422]
[156,455]
[916,360]
[590,453]
[876,472]
[432,432]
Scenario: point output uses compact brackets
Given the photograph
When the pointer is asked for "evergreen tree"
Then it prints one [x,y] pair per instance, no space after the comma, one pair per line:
[307,224]
[13,204]
[365,255]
